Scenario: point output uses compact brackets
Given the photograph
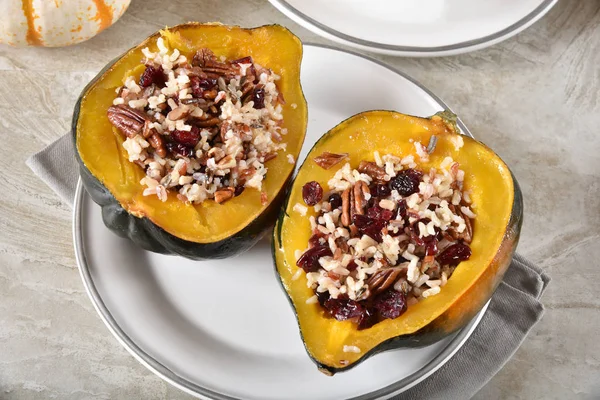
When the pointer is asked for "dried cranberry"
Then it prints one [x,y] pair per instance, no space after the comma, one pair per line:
[407,182]
[180,149]
[402,210]
[208,83]
[199,85]
[239,190]
[378,190]
[376,212]
[390,304]
[258,97]
[431,241]
[431,248]
[372,202]
[368,226]
[367,319]
[312,193]
[401,260]
[152,75]
[351,265]
[343,309]
[454,254]
[414,232]
[188,138]
[322,297]
[361,221]
[195,86]
[309,261]
[335,200]
[315,239]
[399,231]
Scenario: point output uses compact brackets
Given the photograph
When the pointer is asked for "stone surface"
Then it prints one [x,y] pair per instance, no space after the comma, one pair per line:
[533,98]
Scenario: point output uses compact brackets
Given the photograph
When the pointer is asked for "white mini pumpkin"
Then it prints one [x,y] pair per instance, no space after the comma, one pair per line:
[54,23]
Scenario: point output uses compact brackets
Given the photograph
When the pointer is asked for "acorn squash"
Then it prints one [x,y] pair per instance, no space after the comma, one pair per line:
[197,231]
[496,231]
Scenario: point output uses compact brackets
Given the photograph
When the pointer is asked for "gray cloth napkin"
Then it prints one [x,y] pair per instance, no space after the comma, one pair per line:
[514,309]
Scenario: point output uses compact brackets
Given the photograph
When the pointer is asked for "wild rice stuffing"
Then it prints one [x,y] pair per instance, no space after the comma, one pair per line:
[204,127]
[386,236]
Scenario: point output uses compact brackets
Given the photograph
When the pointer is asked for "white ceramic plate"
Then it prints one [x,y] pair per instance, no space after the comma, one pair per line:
[415,28]
[224,329]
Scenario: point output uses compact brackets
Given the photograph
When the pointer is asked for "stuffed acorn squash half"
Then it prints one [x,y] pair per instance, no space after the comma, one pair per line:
[188,141]
[396,232]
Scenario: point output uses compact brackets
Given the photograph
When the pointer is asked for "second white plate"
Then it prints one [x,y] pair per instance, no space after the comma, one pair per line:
[415,28]
[224,329]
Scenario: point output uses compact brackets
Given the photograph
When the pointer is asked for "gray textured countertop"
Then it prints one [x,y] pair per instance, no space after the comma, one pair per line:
[535,99]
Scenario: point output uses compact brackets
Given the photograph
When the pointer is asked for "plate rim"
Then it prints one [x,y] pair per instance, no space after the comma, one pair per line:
[198,391]
[413,51]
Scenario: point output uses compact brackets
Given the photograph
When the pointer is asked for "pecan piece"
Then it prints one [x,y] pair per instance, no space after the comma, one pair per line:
[140,163]
[210,94]
[219,68]
[346,207]
[269,156]
[467,234]
[338,254]
[158,144]
[196,71]
[245,174]
[217,153]
[126,119]
[247,88]
[226,162]
[373,170]
[225,127]
[342,244]
[204,57]
[179,113]
[352,204]
[383,279]
[207,123]
[222,195]
[183,169]
[328,160]
[360,191]
[447,235]
[147,131]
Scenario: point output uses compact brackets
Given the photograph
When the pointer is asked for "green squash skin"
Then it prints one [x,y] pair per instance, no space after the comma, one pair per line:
[439,328]
[149,236]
